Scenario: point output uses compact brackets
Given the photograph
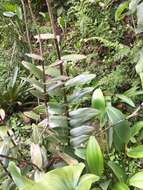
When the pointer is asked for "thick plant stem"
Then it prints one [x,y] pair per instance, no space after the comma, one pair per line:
[26,26]
[57,50]
[43,66]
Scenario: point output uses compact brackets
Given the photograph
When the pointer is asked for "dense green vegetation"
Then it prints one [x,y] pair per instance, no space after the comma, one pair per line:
[71,94]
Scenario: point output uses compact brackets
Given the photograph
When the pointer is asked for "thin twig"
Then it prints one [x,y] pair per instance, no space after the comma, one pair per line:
[113,125]
[5,169]
[18,160]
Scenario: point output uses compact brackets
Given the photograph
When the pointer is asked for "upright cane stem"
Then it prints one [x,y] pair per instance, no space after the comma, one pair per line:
[43,66]
[26,26]
[57,50]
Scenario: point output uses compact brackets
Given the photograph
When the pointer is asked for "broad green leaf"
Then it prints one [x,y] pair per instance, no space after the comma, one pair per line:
[36,155]
[81,153]
[121,135]
[32,115]
[119,12]
[105,185]
[66,178]
[35,134]
[86,181]
[121,186]
[115,116]
[9,14]
[33,69]
[79,94]
[78,141]
[135,152]
[126,99]
[118,171]
[19,12]
[37,94]
[98,100]
[94,157]
[80,80]
[82,115]
[36,84]
[56,109]
[22,183]
[58,121]
[3,131]
[137,180]
[82,130]
[140,18]
[121,129]
[133,5]
[73,57]
[135,129]
[40,109]
[34,56]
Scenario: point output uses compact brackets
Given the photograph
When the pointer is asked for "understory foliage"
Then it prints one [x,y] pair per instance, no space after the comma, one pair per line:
[71,95]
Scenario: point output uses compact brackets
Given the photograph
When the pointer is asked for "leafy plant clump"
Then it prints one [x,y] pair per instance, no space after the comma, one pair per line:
[71,95]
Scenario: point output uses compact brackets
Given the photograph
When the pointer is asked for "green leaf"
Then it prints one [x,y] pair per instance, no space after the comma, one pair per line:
[19,12]
[98,100]
[9,14]
[133,5]
[121,129]
[34,56]
[37,94]
[40,109]
[73,57]
[32,115]
[140,18]
[67,178]
[137,180]
[86,181]
[126,99]
[119,12]
[121,135]
[36,84]
[121,186]
[33,69]
[118,171]
[58,121]
[22,182]
[82,130]
[94,157]
[80,80]
[135,152]
[115,116]
[82,115]
[56,109]
[36,155]
[79,94]
[78,141]
[135,129]
[81,153]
